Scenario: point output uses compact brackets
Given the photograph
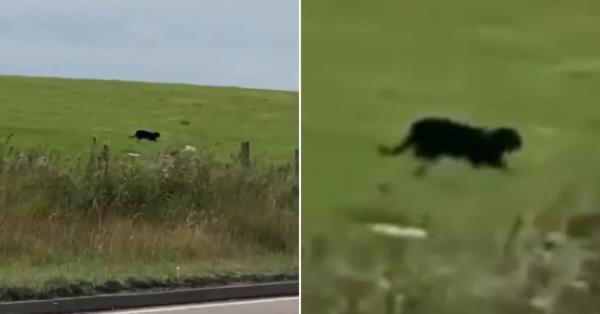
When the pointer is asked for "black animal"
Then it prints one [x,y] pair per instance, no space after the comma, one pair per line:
[432,138]
[145,135]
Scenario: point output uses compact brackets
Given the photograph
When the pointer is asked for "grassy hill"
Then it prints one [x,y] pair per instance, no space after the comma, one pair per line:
[370,68]
[108,216]
[63,114]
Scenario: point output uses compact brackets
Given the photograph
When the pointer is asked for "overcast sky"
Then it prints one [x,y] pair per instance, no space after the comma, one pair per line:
[214,42]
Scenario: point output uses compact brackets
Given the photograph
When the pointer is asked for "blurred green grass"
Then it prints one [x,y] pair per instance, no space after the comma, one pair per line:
[370,68]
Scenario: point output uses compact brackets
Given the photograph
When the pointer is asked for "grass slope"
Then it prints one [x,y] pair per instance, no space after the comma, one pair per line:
[372,67]
[376,68]
[108,216]
[64,114]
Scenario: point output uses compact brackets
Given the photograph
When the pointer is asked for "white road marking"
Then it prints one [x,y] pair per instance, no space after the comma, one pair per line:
[266,306]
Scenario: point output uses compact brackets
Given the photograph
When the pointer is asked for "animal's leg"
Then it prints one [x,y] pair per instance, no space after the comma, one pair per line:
[427,156]
[476,163]
[499,164]
[504,167]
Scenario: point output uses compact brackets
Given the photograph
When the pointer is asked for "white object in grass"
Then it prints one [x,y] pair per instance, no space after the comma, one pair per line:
[399,231]
[133,154]
[579,285]
[541,303]
[189,148]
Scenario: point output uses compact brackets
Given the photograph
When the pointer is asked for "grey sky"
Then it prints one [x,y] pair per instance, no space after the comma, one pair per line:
[213,42]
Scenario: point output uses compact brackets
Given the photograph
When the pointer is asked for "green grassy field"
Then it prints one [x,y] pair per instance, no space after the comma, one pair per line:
[370,68]
[170,213]
[64,114]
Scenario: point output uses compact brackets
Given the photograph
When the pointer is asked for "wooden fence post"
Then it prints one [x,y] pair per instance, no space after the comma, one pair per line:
[245,154]
[297,161]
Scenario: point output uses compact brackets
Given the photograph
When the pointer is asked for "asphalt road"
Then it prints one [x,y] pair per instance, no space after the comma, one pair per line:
[260,306]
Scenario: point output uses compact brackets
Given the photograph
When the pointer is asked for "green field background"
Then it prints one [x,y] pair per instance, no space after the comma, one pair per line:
[64,115]
[370,68]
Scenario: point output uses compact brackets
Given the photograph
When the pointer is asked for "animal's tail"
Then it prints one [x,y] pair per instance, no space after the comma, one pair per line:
[393,151]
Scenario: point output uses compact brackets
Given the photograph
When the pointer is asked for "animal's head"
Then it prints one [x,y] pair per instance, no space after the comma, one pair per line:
[156,134]
[506,139]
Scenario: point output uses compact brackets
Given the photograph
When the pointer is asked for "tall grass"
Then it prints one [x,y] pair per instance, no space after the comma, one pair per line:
[547,263]
[175,206]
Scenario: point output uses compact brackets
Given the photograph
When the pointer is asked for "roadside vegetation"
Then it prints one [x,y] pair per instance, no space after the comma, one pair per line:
[108,210]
